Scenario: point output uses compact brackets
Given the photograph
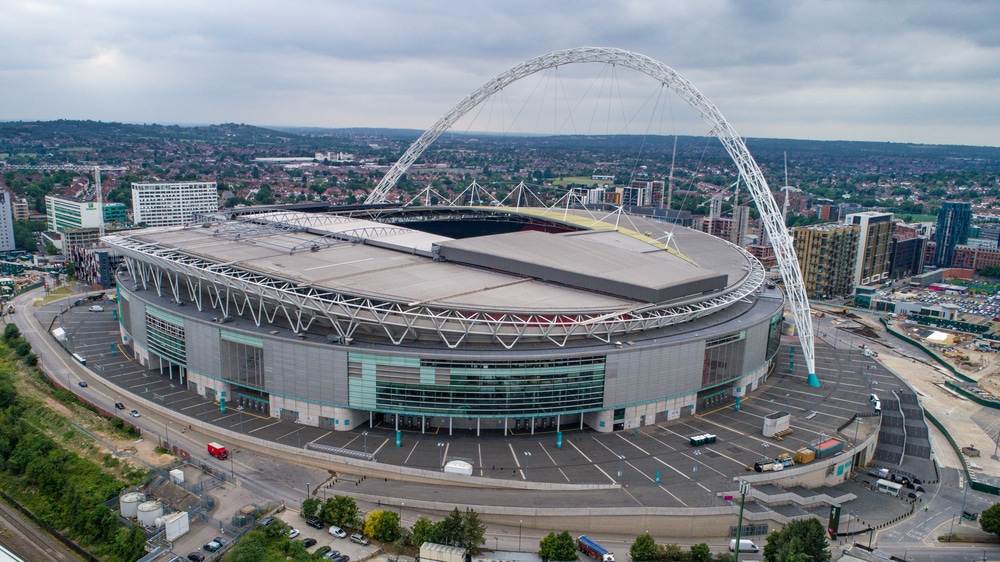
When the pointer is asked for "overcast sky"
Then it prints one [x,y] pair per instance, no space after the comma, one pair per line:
[923,71]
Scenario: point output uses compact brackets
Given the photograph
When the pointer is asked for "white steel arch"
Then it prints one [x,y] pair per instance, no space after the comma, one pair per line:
[748,170]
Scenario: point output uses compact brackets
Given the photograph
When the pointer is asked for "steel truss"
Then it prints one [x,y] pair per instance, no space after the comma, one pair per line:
[748,169]
[265,298]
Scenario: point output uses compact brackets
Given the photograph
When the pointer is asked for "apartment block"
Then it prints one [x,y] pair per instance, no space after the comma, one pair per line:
[874,246]
[827,257]
[172,204]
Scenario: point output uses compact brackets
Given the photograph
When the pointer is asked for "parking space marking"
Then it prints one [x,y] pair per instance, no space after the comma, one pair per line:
[630,442]
[267,426]
[279,438]
[407,459]
[723,455]
[672,495]
[579,451]
[664,463]
[375,452]
[552,460]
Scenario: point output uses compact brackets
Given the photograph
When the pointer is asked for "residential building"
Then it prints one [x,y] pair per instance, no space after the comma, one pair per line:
[953,223]
[827,257]
[172,204]
[6,222]
[19,208]
[63,213]
[906,256]
[874,246]
[972,257]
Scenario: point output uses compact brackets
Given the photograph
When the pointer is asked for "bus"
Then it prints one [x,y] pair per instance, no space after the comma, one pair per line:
[887,487]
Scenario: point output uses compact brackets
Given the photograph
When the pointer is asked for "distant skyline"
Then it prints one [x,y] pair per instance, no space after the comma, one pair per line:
[921,71]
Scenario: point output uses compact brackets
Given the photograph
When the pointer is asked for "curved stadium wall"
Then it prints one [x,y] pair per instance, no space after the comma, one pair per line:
[342,383]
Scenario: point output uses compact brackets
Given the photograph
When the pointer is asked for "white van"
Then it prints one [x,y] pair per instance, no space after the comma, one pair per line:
[746,545]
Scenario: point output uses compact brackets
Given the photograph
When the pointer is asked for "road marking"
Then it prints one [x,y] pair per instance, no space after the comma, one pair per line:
[407,459]
[552,460]
[672,495]
[726,456]
[298,429]
[324,435]
[622,437]
[264,427]
[579,451]
[664,463]
[375,452]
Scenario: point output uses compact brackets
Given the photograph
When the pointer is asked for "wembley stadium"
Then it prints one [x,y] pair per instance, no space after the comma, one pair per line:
[457,318]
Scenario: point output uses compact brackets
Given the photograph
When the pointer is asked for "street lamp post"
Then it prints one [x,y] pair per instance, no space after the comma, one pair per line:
[307,490]
[440,454]
[232,465]
[621,460]
[744,490]
[519,522]
[365,434]
[527,457]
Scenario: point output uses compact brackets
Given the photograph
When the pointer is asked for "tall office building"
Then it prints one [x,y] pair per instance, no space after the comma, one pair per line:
[827,257]
[953,223]
[874,246]
[63,213]
[6,222]
[172,204]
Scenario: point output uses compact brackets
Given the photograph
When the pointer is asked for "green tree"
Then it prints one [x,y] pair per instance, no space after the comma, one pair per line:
[341,511]
[11,333]
[450,529]
[473,532]
[801,537]
[644,549]
[382,525]
[990,271]
[310,507]
[557,547]
[989,520]
[423,530]
[129,545]
[700,553]
[251,548]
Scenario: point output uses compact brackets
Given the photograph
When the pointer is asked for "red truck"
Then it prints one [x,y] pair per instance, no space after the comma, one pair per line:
[218,451]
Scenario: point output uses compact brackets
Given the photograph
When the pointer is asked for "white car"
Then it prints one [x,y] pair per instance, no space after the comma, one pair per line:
[293,533]
[338,532]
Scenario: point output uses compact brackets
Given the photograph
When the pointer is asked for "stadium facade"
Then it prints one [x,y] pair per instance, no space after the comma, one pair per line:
[482,319]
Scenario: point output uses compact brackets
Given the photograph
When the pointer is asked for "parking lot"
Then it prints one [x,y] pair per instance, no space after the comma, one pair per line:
[355,552]
[656,459]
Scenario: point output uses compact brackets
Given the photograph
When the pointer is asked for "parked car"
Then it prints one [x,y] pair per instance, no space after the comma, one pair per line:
[96,308]
[211,546]
[314,522]
[221,541]
[196,557]
[341,558]
[308,542]
[135,414]
[83,384]
[360,539]
[321,551]
[293,533]
[338,532]
[266,521]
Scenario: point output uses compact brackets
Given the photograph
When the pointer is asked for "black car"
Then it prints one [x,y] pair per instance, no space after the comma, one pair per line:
[196,557]
[315,523]
[341,558]
[308,542]
[119,406]
[321,551]
[83,384]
